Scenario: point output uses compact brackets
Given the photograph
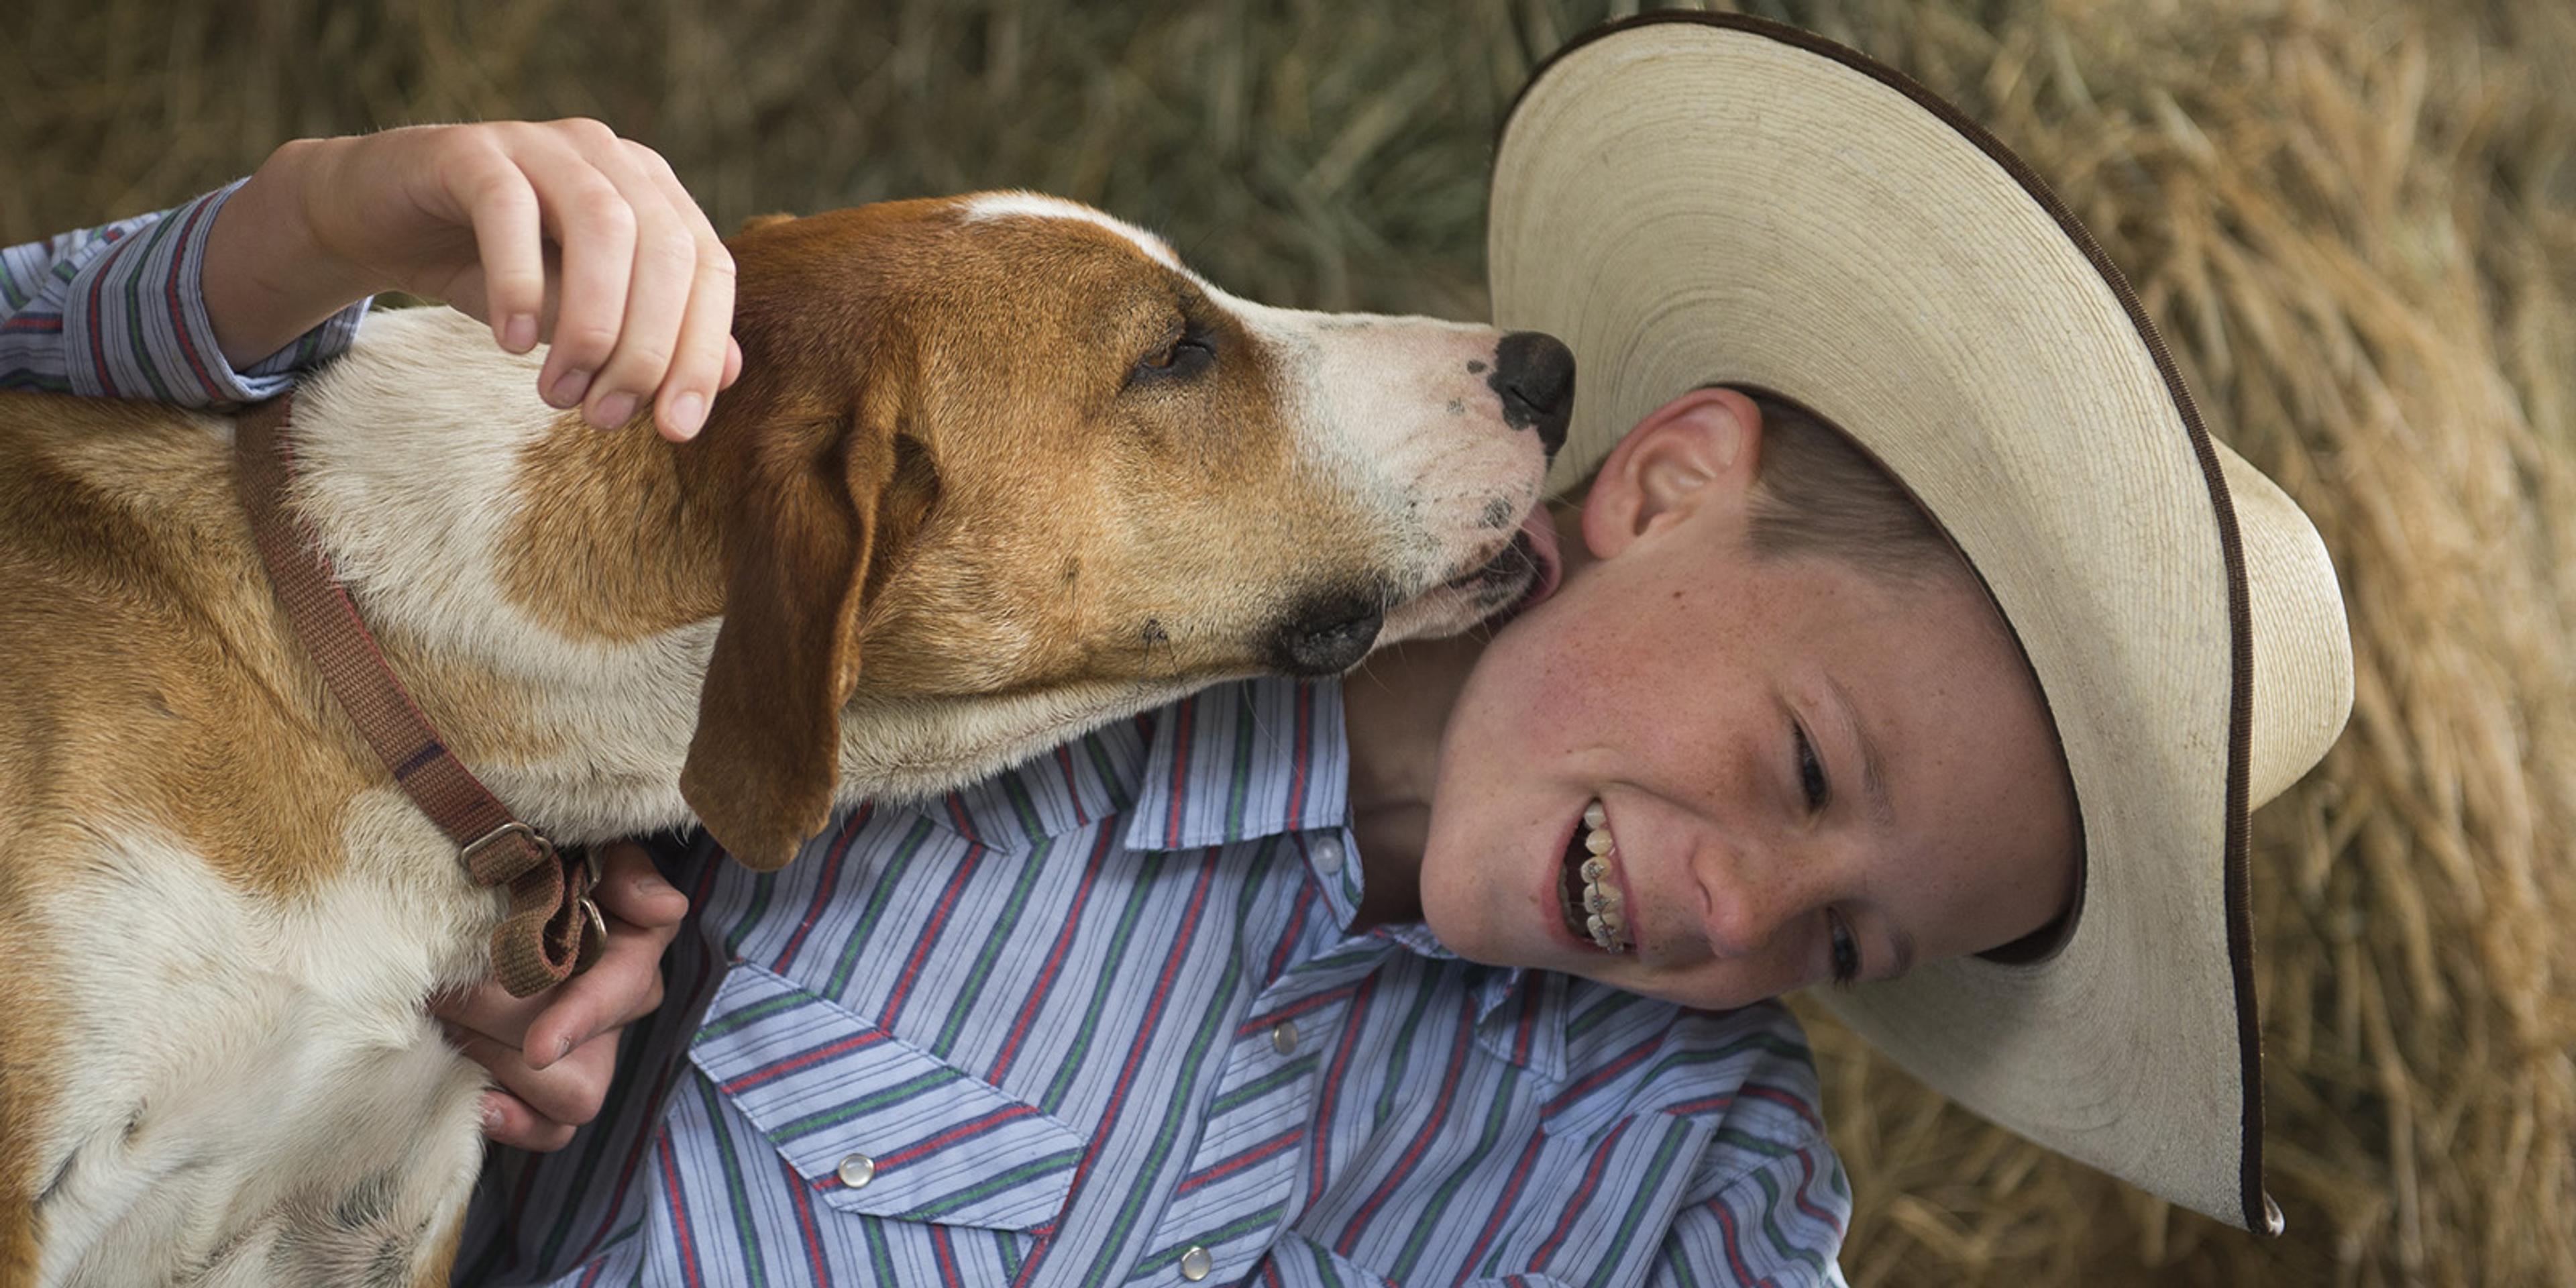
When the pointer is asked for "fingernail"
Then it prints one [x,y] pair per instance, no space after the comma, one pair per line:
[519,334]
[569,387]
[688,412]
[563,1047]
[491,1115]
[613,410]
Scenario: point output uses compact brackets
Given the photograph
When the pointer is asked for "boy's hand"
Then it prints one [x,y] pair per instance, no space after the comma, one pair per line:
[554,1053]
[557,231]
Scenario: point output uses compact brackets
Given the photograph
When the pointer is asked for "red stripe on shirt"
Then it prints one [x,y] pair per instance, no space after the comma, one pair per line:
[961,1132]
[1184,721]
[1591,1082]
[824,888]
[1582,1196]
[801,1195]
[928,939]
[97,338]
[1503,1205]
[178,318]
[680,1234]
[773,1072]
[1150,1026]
[1430,1130]
[1249,1158]
[1044,988]
[1330,1095]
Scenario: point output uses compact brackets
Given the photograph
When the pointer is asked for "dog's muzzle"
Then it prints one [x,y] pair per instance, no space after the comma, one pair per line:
[1327,636]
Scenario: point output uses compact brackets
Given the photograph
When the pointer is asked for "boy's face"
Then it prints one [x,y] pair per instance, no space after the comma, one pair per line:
[1672,681]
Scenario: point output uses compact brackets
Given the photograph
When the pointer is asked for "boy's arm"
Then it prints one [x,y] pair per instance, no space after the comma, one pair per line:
[115,312]
[557,231]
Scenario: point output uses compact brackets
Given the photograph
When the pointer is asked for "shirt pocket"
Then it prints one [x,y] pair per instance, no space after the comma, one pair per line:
[1587,1207]
[876,1124]
[1299,1262]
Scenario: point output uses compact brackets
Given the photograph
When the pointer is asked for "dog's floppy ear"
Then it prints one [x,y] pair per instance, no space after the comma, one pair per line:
[764,762]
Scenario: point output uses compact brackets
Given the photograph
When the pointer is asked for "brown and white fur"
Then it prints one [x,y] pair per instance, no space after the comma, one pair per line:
[998,469]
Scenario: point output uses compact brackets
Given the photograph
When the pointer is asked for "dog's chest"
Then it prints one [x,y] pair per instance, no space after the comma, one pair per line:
[174,1154]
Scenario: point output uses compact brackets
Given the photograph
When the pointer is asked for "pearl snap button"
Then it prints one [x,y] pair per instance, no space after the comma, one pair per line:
[1328,855]
[858,1170]
[1283,1039]
[1196,1263]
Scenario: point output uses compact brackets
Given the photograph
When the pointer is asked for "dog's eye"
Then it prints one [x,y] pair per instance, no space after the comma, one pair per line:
[1189,352]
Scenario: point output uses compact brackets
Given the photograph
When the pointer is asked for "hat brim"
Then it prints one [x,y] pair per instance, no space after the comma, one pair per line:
[1689,199]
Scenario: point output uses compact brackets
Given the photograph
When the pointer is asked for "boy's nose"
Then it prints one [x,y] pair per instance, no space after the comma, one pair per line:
[1744,904]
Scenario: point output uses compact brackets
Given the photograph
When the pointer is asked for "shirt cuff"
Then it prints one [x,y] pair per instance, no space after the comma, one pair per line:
[135,324]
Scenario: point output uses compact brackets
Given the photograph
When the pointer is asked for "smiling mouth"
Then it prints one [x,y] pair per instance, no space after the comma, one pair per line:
[1587,889]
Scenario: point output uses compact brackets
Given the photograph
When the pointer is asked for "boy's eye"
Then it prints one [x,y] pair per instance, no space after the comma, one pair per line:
[1811,771]
[1846,949]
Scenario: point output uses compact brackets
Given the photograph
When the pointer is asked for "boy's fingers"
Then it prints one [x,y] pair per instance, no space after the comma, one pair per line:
[643,913]
[510,242]
[488,1009]
[570,1092]
[631,889]
[508,1120]
[657,296]
[704,357]
[624,985]
[594,226]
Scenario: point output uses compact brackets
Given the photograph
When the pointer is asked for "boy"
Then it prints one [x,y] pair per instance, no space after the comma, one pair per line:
[1158,1005]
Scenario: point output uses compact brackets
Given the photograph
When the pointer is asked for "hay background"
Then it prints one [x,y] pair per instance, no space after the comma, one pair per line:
[2356,221]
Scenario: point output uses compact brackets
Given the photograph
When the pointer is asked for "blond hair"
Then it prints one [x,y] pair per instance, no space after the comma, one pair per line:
[1817,492]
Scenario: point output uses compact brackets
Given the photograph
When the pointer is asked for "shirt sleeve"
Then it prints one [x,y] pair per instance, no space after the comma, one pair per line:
[1780,1224]
[118,311]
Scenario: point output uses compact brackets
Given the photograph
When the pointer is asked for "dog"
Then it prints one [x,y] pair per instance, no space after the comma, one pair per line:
[999,469]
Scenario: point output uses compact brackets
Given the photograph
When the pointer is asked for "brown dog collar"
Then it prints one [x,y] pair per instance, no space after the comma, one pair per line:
[553,929]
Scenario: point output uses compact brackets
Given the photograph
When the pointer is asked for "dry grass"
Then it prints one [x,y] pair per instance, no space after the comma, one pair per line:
[2354,219]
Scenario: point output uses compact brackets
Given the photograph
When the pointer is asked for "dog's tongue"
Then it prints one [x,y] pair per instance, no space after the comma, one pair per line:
[1540,527]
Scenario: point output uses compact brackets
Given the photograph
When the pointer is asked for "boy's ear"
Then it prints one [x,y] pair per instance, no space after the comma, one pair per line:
[1702,447]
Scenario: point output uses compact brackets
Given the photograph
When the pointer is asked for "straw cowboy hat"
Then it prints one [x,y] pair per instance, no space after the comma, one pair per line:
[1691,199]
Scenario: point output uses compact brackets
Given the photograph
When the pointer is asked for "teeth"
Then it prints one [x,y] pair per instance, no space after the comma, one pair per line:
[1605,922]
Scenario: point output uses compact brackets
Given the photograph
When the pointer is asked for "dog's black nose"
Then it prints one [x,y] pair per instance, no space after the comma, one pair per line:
[1534,376]
[1327,635]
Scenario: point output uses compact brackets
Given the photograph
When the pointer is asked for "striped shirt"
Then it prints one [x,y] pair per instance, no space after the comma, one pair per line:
[1100,1019]
[116,312]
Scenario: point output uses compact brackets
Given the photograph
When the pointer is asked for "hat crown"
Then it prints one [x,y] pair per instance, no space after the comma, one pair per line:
[2302,642]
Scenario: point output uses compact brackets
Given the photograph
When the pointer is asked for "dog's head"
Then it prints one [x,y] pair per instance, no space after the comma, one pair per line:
[1000,468]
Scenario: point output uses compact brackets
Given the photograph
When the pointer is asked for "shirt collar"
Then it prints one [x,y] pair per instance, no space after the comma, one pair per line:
[1270,757]
[1244,760]
[1057,791]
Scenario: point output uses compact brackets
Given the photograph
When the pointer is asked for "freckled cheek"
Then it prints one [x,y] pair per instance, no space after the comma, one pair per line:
[1725,985]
